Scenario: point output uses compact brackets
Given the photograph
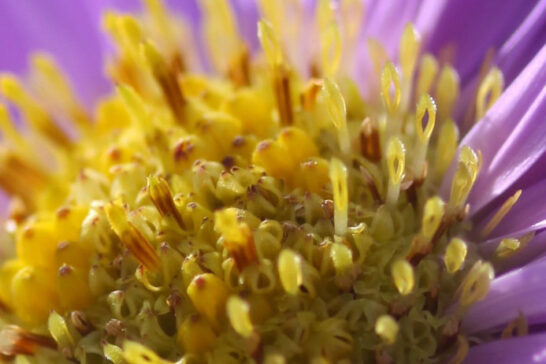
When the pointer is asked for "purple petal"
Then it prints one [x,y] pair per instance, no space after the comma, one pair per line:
[528,349]
[472,27]
[65,30]
[522,290]
[511,137]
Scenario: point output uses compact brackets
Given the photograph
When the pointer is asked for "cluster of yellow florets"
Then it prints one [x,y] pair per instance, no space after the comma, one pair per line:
[256,217]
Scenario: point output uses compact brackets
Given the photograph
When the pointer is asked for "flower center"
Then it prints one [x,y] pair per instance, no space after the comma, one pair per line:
[266,212]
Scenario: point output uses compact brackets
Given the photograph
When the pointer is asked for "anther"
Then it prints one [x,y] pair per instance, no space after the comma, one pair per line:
[427,74]
[39,119]
[370,145]
[390,77]
[445,148]
[464,178]
[162,198]
[238,238]
[131,237]
[425,107]
[403,276]
[462,350]
[447,91]
[500,214]
[387,329]
[489,91]
[238,312]
[409,51]
[396,161]
[337,112]
[290,271]
[342,257]
[166,79]
[17,341]
[519,325]
[476,283]
[338,178]
[330,49]
[455,255]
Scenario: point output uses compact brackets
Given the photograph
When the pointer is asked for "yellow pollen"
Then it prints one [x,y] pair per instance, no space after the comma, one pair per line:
[455,255]
[342,257]
[238,312]
[289,266]
[330,46]
[403,277]
[500,214]
[464,177]
[475,285]
[270,43]
[510,246]
[519,325]
[387,328]
[446,148]
[378,54]
[432,217]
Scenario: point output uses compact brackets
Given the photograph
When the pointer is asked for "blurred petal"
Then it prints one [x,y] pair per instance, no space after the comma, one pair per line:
[511,137]
[522,290]
[62,30]
[528,349]
[474,19]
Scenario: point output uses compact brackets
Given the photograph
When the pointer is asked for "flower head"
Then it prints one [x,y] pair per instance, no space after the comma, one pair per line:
[292,204]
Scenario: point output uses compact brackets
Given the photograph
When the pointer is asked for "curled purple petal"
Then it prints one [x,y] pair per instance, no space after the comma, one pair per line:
[522,290]
[528,349]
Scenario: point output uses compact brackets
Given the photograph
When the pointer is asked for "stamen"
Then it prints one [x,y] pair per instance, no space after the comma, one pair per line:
[389,76]
[427,73]
[166,79]
[290,271]
[337,112]
[455,255]
[51,78]
[196,335]
[445,148]
[500,214]
[136,353]
[489,91]
[403,277]
[330,49]
[370,145]
[338,177]
[378,54]
[34,114]
[17,341]
[238,239]
[462,350]
[426,106]
[59,330]
[447,91]
[209,294]
[519,324]
[224,43]
[131,237]
[475,285]
[342,257]
[238,311]
[310,93]
[508,247]
[409,51]
[20,178]
[161,196]
[432,217]
[281,80]
[11,134]
[387,328]
[464,178]
[396,161]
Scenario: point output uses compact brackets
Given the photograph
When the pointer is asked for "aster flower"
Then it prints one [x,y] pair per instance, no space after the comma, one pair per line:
[342,187]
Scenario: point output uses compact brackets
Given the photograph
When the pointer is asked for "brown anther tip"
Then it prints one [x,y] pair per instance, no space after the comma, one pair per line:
[263,145]
[238,141]
[81,322]
[63,212]
[228,161]
[115,328]
[63,245]
[370,145]
[199,282]
[182,150]
[65,270]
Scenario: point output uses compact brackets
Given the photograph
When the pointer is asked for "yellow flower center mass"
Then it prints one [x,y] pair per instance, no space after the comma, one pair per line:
[253,215]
